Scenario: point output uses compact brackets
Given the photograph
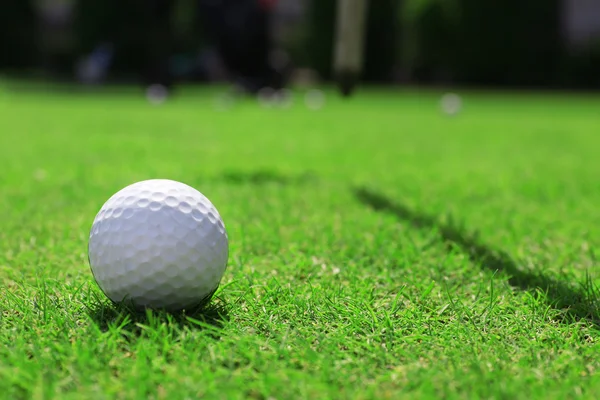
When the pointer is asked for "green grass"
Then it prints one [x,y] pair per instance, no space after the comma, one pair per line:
[377,248]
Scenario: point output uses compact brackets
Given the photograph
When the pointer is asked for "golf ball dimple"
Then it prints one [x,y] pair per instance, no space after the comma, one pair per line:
[158,244]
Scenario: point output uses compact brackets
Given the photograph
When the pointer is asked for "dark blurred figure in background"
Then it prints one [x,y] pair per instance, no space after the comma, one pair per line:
[240,31]
[158,41]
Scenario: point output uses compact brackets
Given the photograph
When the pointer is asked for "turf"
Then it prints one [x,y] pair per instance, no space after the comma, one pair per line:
[378,249]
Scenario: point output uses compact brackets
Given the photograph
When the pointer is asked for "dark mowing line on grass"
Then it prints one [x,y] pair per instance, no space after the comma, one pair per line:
[574,305]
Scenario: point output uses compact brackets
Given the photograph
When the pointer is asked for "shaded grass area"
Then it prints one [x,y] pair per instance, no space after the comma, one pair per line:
[575,300]
[347,276]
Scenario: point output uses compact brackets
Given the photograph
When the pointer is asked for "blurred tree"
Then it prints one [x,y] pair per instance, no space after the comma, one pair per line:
[121,23]
[429,38]
[492,42]
[579,69]
[510,42]
[18,47]
[504,42]
[188,34]
[380,44]
[321,23]
[139,30]
[54,36]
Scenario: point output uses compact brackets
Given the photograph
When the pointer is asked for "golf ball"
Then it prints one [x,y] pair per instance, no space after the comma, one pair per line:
[157,94]
[266,97]
[451,103]
[158,244]
[284,98]
[314,99]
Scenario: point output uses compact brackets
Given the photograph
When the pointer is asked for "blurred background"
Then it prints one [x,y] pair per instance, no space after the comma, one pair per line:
[519,43]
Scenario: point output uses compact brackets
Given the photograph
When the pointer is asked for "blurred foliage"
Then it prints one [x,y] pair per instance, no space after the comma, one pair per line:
[380,44]
[429,36]
[112,21]
[503,42]
[508,41]
[188,31]
[581,68]
[18,45]
[321,23]
[131,25]
[483,42]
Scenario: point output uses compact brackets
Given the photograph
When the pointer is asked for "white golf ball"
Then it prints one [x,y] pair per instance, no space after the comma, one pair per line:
[284,98]
[157,94]
[266,97]
[224,102]
[159,244]
[451,103]
[314,99]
